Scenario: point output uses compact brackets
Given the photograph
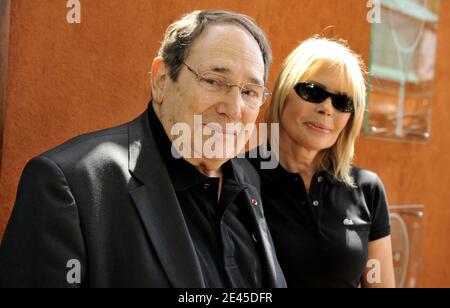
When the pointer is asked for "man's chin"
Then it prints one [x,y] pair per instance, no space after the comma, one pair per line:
[213,162]
[208,167]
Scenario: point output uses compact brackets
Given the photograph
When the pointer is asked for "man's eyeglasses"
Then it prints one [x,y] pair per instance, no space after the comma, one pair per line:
[252,94]
[316,94]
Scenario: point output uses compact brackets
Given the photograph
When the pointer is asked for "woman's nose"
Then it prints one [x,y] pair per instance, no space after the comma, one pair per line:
[326,107]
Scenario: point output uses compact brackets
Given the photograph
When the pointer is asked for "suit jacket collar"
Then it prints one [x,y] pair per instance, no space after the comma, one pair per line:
[274,275]
[159,210]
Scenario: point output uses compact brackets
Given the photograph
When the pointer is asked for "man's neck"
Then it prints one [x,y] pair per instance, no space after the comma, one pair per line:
[211,173]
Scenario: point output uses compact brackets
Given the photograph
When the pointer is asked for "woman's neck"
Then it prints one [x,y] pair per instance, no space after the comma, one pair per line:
[297,159]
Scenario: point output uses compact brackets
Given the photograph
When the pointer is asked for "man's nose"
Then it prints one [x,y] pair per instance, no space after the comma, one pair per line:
[232,103]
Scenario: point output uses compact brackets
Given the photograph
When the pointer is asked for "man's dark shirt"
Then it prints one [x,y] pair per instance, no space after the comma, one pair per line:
[220,230]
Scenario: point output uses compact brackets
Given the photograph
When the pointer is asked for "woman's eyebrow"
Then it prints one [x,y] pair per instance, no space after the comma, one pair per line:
[318,84]
[325,88]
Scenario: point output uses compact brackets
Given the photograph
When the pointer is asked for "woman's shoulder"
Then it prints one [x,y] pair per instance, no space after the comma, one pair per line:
[365,178]
[372,189]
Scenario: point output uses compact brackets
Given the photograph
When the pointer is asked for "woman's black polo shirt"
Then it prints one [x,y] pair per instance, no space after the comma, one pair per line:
[322,237]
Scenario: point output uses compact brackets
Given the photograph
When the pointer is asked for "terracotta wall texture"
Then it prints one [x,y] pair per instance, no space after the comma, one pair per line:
[67,79]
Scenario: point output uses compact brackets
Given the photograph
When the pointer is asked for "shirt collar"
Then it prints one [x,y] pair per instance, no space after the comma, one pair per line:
[279,173]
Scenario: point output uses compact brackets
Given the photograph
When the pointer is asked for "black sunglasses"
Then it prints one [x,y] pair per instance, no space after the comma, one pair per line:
[315,94]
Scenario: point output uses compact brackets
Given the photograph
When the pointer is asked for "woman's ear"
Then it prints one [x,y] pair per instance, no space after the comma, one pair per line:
[159,77]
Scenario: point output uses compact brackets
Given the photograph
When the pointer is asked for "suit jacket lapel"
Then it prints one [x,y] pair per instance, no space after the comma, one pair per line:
[159,210]
[252,196]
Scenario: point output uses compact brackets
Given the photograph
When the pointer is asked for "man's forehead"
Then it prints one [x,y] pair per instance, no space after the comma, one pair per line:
[249,76]
[227,39]
[229,62]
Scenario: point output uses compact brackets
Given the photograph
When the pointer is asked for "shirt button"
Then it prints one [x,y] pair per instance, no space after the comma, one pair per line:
[206,186]
[254,238]
[316,203]
[320,179]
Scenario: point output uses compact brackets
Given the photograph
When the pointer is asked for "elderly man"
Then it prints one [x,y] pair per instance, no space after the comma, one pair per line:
[120,208]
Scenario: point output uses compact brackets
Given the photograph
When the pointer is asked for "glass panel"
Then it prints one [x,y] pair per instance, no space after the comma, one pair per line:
[402,70]
[406,233]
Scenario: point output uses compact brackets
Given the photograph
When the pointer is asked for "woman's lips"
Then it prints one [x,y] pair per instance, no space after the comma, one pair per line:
[318,127]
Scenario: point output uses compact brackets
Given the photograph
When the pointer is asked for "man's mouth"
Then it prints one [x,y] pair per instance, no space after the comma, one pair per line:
[222,130]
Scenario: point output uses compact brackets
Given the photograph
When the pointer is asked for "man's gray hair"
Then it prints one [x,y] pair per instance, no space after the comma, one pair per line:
[182,33]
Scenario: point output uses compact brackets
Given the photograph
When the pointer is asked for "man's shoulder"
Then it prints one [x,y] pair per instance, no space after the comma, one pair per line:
[88,142]
[249,172]
[103,146]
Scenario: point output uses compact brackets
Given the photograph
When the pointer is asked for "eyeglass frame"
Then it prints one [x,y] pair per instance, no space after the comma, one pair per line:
[228,85]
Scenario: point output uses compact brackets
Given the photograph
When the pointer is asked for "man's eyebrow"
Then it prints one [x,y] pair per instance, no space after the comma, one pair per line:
[225,70]
[219,69]
[257,81]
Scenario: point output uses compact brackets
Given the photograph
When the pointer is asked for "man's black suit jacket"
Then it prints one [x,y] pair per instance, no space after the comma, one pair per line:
[105,201]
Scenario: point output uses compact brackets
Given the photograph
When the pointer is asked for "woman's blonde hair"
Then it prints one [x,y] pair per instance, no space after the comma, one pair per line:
[309,57]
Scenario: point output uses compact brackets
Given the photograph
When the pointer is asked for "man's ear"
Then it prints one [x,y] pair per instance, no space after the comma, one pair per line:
[160,75]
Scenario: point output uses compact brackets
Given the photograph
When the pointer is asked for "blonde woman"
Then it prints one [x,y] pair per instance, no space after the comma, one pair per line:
[329,220]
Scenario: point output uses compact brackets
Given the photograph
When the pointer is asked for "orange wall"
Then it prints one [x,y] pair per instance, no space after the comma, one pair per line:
[68,79]
[4,48]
